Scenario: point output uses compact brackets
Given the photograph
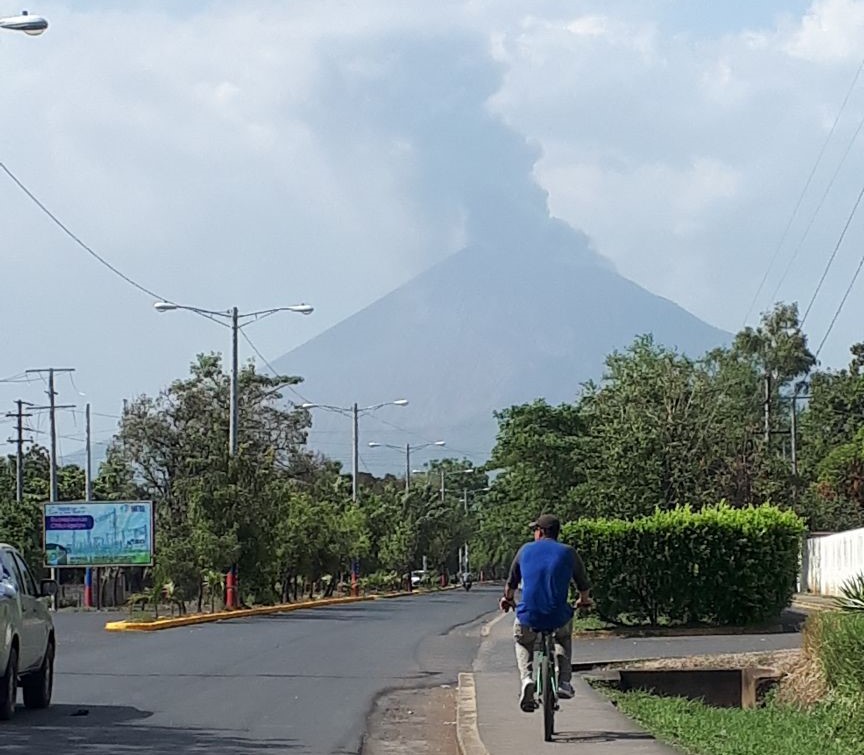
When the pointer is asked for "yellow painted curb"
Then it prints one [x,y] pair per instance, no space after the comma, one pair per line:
[206,618]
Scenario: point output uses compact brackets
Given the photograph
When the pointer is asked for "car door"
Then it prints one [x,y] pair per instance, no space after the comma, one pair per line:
[33,636]
[17,605]
[10,606]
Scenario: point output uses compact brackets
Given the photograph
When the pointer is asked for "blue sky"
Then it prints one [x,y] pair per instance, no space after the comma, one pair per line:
[273,153]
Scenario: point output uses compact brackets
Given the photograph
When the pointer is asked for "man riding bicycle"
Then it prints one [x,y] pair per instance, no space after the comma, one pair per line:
[546,568]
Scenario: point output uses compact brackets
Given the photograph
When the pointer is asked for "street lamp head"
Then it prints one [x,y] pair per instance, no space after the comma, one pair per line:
[401,402]
[164,306]
[308,406]
[32,25]
[439,443]
[301,309]
[372,444]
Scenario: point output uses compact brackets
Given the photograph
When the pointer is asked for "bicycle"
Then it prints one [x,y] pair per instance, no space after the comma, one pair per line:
[545,673]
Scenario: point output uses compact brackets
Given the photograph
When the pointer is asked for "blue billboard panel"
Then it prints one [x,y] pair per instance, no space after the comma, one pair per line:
[103,533]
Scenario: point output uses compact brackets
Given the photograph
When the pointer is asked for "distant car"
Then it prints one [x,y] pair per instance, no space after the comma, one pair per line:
[417,577]
[27,642]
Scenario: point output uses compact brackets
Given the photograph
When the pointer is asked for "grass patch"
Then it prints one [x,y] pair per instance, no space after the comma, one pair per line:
[829,728]
[591,623]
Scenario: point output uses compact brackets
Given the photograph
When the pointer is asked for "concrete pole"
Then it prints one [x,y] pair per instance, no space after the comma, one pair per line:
[235,400]
[355,451]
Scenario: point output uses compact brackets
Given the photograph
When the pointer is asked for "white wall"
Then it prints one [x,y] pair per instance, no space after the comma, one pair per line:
[830,560]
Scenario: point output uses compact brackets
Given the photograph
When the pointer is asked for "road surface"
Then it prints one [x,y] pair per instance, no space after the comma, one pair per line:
[302,682]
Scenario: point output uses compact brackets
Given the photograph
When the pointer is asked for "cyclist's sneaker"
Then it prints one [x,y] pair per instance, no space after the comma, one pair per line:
[565,691]
[526,699]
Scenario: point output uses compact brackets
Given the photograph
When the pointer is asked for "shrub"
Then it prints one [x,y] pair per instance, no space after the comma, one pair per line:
[719,565]
[837,638]
[852,594]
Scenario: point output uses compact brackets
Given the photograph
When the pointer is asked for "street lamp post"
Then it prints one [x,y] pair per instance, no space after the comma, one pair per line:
[408,448]
[463,550]
[236,320]
[32,25]
[355,411]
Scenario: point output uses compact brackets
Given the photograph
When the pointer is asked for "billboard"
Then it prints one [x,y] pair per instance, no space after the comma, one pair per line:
[98,533]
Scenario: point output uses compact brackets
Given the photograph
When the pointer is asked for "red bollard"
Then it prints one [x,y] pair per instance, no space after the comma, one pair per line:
[88,588]
[230,590]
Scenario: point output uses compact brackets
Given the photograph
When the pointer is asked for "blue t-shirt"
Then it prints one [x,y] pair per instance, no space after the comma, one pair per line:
[546,568]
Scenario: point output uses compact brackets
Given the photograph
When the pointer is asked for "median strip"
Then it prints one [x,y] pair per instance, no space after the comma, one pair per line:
[240,613]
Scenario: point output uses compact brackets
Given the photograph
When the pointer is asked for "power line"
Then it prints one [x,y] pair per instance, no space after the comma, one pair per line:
[803,192]
[833,256]
[75,238]
[817,210]
[840,306]
[98,257]
[271,368]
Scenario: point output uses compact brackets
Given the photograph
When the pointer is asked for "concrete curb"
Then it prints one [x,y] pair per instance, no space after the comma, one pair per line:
[806,606]
[206,618]
[467,733]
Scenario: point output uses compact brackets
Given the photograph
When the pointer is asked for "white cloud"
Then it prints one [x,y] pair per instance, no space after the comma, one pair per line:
[314,150]
[833,30]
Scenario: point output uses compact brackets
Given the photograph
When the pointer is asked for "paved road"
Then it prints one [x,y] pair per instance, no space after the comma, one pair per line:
[302,682]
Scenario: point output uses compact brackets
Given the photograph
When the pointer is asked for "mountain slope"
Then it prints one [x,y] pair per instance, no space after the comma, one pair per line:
[480,331]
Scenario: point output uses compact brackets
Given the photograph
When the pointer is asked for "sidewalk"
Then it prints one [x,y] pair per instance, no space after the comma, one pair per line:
[586,724]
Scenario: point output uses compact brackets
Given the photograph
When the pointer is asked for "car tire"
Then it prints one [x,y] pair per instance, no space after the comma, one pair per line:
[9,687]
[39,685]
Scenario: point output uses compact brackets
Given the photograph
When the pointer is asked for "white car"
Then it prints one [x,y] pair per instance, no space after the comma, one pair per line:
[27,642]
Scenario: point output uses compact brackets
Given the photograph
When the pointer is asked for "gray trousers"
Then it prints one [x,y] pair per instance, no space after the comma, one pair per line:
[525,638]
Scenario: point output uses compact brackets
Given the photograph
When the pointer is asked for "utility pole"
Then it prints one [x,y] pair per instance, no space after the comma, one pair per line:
[19,416]
[793,429]
[355,450]
[407,467]
[767,409]
[88,471]
[52,408]
[235,399]
[88,494]
[465,505]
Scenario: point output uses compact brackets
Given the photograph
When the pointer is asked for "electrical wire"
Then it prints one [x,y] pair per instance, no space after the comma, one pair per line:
[804,192]
[840,306]
[98,257]
[833,256]
[75,238]
[828,188]
[271,368]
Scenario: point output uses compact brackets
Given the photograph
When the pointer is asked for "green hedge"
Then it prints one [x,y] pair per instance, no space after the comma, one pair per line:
[718,566]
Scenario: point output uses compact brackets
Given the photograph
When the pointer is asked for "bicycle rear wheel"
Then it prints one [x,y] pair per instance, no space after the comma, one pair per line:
[548,695]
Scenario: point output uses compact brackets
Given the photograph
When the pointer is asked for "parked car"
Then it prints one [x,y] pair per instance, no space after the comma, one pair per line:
[27,642]
[417,577]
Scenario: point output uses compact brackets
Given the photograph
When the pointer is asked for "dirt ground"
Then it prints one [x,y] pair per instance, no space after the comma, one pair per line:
[802,681]
[414,722]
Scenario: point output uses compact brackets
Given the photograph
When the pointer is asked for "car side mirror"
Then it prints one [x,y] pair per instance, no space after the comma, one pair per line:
[48,588]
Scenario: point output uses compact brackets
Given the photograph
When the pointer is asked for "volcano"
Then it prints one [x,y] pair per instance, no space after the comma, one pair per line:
[523,317]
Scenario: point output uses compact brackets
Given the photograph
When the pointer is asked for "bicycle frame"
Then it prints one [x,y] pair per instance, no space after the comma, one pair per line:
[546,679]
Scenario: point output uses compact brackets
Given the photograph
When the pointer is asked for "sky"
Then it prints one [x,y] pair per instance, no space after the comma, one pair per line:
[230,154]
